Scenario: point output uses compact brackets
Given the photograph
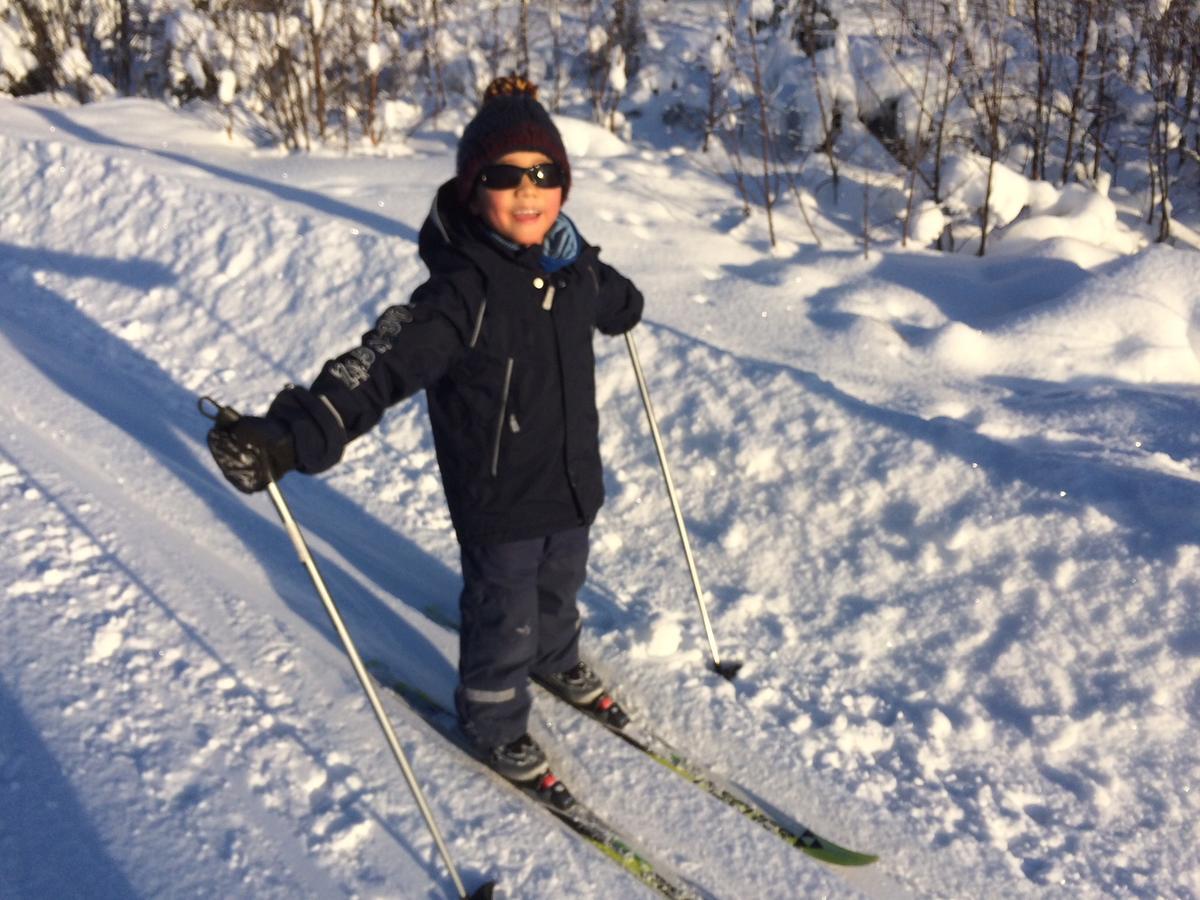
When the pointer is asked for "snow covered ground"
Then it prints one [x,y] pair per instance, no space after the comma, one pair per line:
[945,508]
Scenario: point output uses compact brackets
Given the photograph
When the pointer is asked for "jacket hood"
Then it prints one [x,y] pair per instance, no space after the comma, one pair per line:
[450,237]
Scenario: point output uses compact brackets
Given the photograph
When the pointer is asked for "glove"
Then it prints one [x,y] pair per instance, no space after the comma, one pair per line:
[252,451]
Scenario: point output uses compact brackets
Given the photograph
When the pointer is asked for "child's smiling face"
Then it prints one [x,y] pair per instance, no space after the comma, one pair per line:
[522,214]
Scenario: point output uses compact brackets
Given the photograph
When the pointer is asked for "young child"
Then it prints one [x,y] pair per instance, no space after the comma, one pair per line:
[500,339]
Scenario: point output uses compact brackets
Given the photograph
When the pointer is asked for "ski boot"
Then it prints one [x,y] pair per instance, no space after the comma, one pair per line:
[581,687]
[523,763]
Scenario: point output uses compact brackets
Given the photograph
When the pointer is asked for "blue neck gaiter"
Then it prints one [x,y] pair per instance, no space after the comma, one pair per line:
[560,248]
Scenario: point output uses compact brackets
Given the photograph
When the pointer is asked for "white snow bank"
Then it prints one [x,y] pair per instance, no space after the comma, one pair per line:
[965,186]
[1134,323]
[582,138]
[1079,225]
[943,508]
[1034,218]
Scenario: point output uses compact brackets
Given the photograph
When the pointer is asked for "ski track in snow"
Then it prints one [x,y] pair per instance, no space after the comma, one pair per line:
[945,510]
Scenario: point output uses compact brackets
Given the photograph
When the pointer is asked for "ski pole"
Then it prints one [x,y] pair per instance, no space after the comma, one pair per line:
[227,415]
[729,668]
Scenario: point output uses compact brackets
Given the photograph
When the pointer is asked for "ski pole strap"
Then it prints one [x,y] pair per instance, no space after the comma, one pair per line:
[222,416]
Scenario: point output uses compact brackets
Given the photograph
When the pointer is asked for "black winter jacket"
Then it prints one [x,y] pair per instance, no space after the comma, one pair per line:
[503,350]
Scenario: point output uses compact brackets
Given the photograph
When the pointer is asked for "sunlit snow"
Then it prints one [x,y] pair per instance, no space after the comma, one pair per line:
[945,508]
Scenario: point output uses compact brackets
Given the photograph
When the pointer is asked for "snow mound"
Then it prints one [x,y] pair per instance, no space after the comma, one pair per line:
[1076,223]
[1139,325]
[588,139]
[1080,225]
[1134,325]
[966,186]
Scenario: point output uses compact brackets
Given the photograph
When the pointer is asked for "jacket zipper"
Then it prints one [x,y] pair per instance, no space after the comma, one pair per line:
[478,325]
[508,369]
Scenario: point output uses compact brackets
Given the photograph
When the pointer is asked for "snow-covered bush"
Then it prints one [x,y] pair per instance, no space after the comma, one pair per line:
[17,61]
[773,90]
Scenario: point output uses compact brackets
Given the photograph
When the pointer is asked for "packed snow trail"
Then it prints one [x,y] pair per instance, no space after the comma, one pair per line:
[129,461]
[147,652]
[220,749]
[950,525]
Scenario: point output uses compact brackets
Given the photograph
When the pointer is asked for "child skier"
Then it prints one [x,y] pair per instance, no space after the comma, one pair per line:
[500,338]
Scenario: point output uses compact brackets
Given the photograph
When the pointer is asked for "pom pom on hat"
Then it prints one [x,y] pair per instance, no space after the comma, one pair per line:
[509,86]
[509,120]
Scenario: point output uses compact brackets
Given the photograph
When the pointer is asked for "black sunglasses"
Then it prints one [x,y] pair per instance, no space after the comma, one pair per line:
[502,177]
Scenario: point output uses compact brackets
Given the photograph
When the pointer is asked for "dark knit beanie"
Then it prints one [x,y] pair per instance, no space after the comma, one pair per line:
[510,120]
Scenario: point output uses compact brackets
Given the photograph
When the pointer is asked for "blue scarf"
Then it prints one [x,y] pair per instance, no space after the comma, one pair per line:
[560,248]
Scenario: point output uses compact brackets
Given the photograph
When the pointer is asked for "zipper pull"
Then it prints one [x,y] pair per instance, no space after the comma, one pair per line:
[513,425]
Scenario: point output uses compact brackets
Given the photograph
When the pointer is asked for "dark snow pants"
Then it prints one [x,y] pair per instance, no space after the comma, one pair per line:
[519,617]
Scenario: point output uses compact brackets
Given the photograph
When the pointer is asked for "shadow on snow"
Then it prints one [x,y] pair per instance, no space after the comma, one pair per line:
[133,393]
[39,801]
[313,200]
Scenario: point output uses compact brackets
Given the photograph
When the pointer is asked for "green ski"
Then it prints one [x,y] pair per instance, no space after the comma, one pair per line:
[559,803]
[732,795]
[664,753]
